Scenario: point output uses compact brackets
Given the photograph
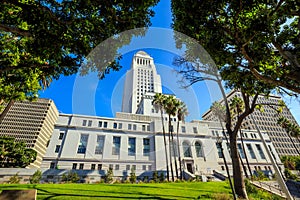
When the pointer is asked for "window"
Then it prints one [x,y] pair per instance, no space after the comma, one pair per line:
[144,167]
[84,122]
[81,166]
[82,144]
[195,130]
[260,151]
[99,166]
[100,124]
[148,128]
[133,167]
[186,149]
[90,123]
[199,151]
[134,127]
[129,126]
[116,145]
[93,166]
[120,126]
[149,167]
[241,151]
[143,127]
[99,145]
[127,167]
[52,165]
[146,148]
[131,146]
[61,135]
[220,153]
[183,129]
[111,166]
[105,125]
[117,167]
[57,148]
[74,166]
[115,125]
[251,151]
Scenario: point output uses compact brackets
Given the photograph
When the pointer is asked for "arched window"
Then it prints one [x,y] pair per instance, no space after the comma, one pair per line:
[186,149]
[199,150]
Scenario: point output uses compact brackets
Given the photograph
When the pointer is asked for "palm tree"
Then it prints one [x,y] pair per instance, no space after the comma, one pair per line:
[181,113]
[158,103]
[171,105]
[291,129]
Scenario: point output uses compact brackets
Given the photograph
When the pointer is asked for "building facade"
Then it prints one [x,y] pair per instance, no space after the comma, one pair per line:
[31,122]
[267,122]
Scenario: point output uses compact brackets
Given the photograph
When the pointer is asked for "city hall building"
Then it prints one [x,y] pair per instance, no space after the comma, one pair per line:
[134,138]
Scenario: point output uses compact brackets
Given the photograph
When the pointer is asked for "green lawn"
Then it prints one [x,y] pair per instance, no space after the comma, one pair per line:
[188,190]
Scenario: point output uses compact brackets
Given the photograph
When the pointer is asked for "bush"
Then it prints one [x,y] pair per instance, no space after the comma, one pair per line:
[36,177]
[71,177]
[109,176]
[132,177]
[161,177]
[15,179]
[155,177]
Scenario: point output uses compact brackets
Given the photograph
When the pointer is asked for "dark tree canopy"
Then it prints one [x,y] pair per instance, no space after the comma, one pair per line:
[15,154]
[262,37]
[41,40]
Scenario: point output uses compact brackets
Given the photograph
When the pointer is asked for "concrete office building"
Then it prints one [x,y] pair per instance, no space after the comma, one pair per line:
[267,122]
[31,122]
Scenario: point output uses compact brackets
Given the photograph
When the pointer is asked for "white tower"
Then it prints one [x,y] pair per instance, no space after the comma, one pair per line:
[141,78]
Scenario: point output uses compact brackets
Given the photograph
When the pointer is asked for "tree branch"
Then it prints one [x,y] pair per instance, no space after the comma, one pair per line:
[15,30]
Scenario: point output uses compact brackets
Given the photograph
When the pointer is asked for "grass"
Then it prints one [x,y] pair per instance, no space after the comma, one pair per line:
[186,190]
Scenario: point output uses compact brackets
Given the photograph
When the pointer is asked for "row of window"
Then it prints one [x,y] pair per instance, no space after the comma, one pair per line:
[104,124]
[250,150]
[100,166]
[115,146]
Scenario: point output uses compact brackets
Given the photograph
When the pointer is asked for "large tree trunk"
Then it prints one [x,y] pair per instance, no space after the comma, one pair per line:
[246,157]
[239,184]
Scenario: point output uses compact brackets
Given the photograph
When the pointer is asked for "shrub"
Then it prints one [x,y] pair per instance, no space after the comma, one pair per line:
[36,177]
[155,177]
[132,177]
[161,177]
[71,177]
[109,176]
[15,179]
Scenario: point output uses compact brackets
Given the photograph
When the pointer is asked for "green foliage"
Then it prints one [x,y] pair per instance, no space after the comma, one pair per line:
[109,176]
[29,59]
[132,177]
[245,38]
[71,177]
[222,196]
[36,177]
[15,179]
[161,177]
[289,175]
[155,177]
[15,154]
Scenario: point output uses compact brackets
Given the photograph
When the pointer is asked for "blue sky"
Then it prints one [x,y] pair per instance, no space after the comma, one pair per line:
[90,96]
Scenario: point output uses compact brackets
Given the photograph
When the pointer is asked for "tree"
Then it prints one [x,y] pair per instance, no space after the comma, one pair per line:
[291,128]
[71,177]
[41,40]
[229,61]
[15,154]
[261,37]
[181,113]
[171,105]
[158,103]
[109,176]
